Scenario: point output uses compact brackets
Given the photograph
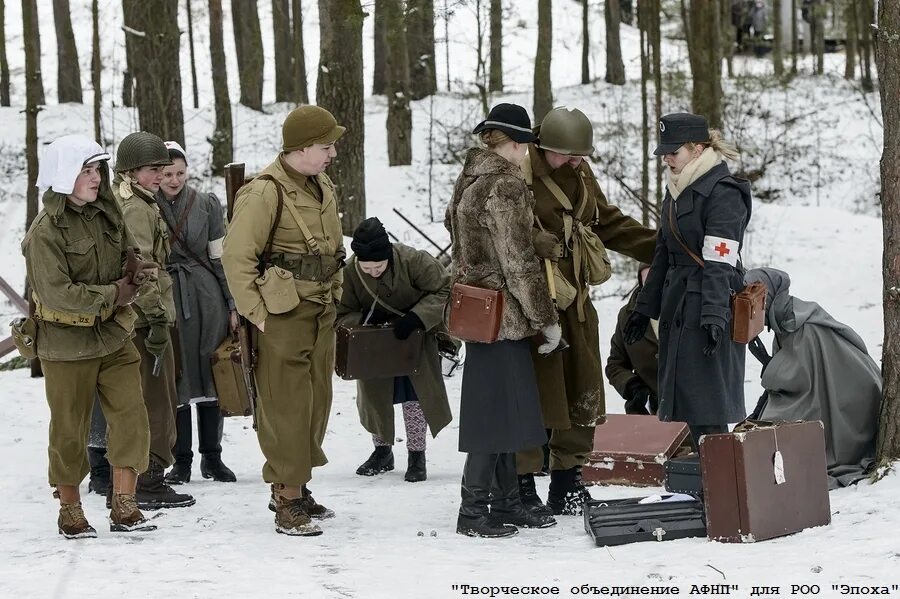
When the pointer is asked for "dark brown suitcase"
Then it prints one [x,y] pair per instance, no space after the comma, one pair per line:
[632,450]
[475,313]
[372,352]
[229,380]
[744,503]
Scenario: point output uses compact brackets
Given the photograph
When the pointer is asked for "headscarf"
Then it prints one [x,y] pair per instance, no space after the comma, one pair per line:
[63,160]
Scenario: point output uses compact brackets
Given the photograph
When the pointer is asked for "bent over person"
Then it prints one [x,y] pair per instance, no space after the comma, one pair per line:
[282,258]
[82,329]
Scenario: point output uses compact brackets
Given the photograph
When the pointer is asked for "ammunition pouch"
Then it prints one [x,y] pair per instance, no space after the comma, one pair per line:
[24,334]
[307,267]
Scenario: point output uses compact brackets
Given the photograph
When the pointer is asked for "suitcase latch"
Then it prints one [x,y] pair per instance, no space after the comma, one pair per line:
[658,532]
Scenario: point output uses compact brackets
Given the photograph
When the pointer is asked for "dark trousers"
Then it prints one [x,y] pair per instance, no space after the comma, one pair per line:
[210,422]
[698,430]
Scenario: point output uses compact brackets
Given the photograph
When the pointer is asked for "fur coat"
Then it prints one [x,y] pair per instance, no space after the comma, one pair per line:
[490,217]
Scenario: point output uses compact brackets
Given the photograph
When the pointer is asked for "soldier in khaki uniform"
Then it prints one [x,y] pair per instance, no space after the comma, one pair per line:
[288,290]
[82,329]
[140,159]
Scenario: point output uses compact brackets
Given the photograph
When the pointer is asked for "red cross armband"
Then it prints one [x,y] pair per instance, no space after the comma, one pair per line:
[720,249]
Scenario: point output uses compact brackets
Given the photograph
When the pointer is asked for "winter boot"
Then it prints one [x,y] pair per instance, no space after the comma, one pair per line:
[415,470]
[153,493]
[290,516]
[506,505]
[315,510]
[179,474]
[567,495]
[210,423]
[124,515]
[474,518]
[381,460]
[71,523]
[184,457]
[100,473]
[530,498]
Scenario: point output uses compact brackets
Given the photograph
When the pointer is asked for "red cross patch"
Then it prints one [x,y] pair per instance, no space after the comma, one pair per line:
[720,249]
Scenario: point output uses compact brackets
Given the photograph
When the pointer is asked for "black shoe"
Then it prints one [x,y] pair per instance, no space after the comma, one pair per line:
[484,527]
[154,494]
[211,466]
[567,495]
[381,460]
[530,499]
[415,471]
[179,474]
[101,475]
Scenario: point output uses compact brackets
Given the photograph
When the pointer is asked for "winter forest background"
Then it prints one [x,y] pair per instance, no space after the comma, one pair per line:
[813,113]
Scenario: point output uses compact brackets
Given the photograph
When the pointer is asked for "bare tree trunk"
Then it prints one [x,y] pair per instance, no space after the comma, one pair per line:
[543,88]
[481,67]
[284,51]
[96,70]
[379,71]
[4,63]
[154,27]
[705,58]
[626,11]
[852,39]
[399,116]
[656,42]
[866,14]
[586,43]
[301,93]
[495,83]
[420,48]
[222,139]
[340,90]
[68,72]
[190,20]
[818,35]
[130,53]
[643,26]
[686,20]
[778,41]
[795,37]
[249,50]
[887,58]
[32,37]
[615,68]
[728,35]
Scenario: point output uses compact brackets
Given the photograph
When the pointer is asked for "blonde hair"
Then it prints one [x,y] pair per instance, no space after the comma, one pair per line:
[493,138]
[722,147]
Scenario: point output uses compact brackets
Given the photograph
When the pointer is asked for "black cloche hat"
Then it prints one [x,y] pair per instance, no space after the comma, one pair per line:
[512,119]
[679,128]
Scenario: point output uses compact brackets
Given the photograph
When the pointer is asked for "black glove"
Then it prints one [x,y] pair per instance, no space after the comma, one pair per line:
[635,327]
[758,349]
[407,323]
[637,395]
[157,339]
[714,339]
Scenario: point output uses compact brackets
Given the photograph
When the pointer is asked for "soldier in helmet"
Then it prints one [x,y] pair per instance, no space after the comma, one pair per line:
[139,166]
[575,226]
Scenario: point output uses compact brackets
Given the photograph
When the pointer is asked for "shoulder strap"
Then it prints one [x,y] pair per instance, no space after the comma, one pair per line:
[674,224]
[374,295]
[192,196]
[279,208]
[176,234]
[307,235]
[550,184]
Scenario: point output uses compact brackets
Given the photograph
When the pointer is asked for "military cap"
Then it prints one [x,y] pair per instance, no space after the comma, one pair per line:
[141,149]
[308,125]
[679,128]
[511,119]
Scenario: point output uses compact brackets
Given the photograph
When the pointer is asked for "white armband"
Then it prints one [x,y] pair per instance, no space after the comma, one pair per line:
[216,248]
[719,249]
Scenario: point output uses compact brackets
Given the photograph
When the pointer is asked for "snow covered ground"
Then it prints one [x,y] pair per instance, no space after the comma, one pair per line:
[395,539]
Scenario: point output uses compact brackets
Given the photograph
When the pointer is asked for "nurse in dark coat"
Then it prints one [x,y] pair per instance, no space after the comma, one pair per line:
[695,270]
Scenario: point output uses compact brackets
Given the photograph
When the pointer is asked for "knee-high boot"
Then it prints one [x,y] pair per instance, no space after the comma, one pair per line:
[210,423]
[506,505]
[474,511]
[184,457]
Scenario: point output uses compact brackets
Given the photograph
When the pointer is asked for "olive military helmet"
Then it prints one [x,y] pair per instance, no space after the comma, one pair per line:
[141,149]
[566,131]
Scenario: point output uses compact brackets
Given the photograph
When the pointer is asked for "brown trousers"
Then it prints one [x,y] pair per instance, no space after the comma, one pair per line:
[71,388]
[161,399]
[293,376]
[568,448]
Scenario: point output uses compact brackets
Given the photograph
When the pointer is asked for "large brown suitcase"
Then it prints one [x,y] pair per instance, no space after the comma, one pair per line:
[744,500]
[372,352]
[632,450]
[229,379]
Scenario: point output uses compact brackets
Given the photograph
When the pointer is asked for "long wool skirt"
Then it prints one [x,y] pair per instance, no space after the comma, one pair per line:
[500,409]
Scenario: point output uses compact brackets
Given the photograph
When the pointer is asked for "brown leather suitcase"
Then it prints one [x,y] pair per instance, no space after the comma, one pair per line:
[229,380]
[372,352]
[475,313]
[744,502]
[632,450]
[748,313]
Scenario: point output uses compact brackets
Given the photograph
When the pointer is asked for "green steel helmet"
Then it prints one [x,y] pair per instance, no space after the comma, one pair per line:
[567,131]
[141,149]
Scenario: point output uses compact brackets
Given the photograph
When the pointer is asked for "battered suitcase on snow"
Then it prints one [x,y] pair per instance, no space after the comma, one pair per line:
[748,497]
[229,380]
[632,450]
[372,352]
[683,475]
[622,521]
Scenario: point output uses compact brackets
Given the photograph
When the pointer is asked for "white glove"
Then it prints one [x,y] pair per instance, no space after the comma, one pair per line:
[552,334]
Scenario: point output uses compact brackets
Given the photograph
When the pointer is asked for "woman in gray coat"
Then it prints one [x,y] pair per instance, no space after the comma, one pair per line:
[490,219]
[205,313]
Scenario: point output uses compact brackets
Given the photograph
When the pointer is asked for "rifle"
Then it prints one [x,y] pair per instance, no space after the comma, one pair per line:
[234,179]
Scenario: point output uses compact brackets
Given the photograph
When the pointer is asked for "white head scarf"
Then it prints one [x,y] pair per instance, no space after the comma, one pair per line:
[63,160]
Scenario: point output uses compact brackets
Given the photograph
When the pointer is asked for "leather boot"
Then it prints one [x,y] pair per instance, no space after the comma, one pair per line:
[290,516]
[154,494]
[210,423]
[184,457]
[72,523]
[124,515]
[415,470]
[316,511]
[474,513]
[381,460]
[530,498]
[567,495]
[506,505]
[100,473]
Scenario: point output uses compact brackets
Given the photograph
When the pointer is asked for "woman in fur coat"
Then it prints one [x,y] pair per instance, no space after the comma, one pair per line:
[490,219]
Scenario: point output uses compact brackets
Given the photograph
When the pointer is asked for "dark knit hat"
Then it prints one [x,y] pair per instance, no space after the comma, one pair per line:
[370,241]
[308,125]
